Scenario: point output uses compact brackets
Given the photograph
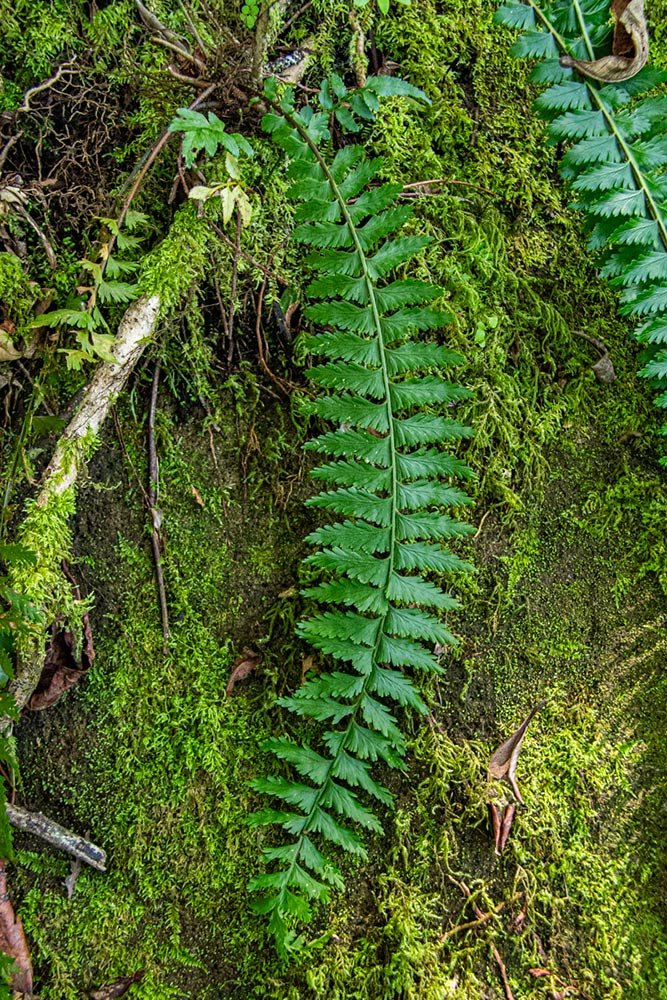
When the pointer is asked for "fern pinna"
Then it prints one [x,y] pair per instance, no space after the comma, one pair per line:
[390,483]
[616,159]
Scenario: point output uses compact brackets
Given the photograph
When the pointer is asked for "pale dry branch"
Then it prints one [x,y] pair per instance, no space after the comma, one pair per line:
[56,835]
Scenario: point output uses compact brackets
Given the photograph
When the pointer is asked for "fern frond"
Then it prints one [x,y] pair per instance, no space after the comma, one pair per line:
[616,160]
[389,485]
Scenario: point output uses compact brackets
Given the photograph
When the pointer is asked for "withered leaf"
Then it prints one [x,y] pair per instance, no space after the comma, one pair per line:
[12,940]
[506,826]
[504,761]
[502,819]
[197,495]
[117,988]
[62,669]
[629,52]
[242,668]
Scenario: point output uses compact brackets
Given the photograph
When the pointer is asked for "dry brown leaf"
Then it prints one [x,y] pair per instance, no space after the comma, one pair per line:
[502,820]
[538,973]
[12,940]
[629,51]
[117,988]
[504,760]
[62,670]
[242,668]
[197,495]
[308,663]
[508,819]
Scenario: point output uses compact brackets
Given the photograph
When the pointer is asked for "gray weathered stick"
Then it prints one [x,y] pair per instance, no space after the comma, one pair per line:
[73,450]
[56,835]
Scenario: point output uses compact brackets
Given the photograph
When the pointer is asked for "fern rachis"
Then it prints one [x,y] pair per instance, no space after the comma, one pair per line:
[386,475]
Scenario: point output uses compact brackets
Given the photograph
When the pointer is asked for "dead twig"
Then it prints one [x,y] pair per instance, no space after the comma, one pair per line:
[496,954]
[232,304]
[479,922]
[156,515]
[193,81]
[121,440]
[503,973]
[193,28]
[251,260]
[407,188]
[181,51]
[48,249]
[56,835]
[481,524]
[300,11]
[67,67]
[283,384]
[13,139]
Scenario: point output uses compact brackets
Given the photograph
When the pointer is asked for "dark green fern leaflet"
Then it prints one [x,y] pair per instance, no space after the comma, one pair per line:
[615,162]
[390,482]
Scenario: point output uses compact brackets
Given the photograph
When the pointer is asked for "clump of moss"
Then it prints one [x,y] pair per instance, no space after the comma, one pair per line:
[17,297]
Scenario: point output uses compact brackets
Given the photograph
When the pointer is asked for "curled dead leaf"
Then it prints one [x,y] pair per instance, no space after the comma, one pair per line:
[197,495]
[242,668]
[75,867]
[62,668]
[67,657]
[504,761]
[13,941]
[630,45]
[118,987]
[502,819]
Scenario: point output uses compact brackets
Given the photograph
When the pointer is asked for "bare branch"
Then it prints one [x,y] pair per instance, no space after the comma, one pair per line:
[56,835]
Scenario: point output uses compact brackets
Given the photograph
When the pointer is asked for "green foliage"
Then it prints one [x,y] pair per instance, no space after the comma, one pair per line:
[207,133]
[19,618]
[391,483]
[615,161]
[383,5]
[82,312]
[17,295]
[250,13]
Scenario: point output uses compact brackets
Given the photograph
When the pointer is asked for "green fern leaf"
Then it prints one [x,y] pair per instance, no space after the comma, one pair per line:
[615,165]
[391,483]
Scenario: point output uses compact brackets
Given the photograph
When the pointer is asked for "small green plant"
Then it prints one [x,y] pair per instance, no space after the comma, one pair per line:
[249,14]
[82,312]
[617,139]
[383,5]
[207,133]
[391,480]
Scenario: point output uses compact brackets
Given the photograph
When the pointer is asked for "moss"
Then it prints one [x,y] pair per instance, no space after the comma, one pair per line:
[17,295]
[45,531]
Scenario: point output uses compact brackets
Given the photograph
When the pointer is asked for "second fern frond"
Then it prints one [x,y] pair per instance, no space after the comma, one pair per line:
[617,137]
